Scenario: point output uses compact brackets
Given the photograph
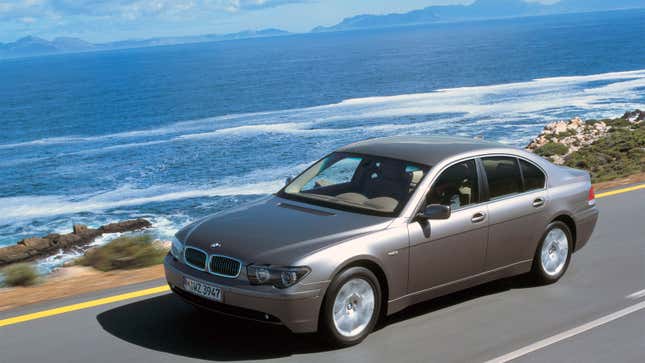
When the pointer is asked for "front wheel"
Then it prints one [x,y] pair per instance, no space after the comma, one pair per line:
[351,307]
[553,253]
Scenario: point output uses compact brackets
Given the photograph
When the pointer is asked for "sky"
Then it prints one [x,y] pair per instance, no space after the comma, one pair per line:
[108,20]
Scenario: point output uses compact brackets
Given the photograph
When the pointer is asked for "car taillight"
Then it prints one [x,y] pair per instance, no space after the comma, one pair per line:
[591,199]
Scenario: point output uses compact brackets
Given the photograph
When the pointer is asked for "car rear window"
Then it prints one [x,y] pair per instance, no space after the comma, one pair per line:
[533,176]
[503,175]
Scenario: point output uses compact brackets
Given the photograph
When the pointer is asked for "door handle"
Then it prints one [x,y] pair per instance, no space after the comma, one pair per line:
[478,217]
[538,202]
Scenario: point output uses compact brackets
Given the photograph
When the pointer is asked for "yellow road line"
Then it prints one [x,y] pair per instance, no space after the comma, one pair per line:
[620,191]
[83,305]
[165,288]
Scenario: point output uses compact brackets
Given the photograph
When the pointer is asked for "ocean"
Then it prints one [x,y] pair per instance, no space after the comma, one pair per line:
[178,132]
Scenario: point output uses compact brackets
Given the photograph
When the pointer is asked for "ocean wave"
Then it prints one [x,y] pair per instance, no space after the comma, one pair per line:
[288,127]
[27,207]
[174,128]
[257,182]
[513,113]
[465,111]
[44,141]
[541,97]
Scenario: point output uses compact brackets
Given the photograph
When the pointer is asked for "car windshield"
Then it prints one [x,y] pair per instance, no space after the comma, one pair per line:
[362,183]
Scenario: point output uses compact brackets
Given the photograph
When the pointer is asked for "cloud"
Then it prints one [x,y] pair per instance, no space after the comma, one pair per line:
[126,9]
[237,5]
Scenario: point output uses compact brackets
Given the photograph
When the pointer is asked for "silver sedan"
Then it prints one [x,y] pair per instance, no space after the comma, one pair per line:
[382,224]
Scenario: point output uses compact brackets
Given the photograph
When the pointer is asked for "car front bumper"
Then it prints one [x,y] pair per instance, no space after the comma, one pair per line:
[297,309]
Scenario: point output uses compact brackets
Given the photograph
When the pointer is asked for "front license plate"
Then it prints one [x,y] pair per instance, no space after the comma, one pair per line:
[202,289]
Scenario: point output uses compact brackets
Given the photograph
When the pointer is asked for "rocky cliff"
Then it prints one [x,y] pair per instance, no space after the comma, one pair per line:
[608,148]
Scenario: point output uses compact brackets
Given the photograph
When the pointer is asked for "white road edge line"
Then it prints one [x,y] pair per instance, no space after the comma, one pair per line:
[568,334]
[636,295]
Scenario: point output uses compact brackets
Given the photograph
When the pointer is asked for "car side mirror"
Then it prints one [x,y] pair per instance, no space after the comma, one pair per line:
[288,180]
[434,211]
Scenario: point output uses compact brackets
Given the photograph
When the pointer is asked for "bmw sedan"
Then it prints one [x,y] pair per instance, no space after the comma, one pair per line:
[382,224]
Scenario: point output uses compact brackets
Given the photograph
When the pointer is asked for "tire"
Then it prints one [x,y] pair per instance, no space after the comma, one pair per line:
[357,292]
[553,255]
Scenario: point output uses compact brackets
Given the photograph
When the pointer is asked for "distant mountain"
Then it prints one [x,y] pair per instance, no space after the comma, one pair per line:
[152,42]
[422,16]
[32,46]
[596,5]
[72,44]
[480,9]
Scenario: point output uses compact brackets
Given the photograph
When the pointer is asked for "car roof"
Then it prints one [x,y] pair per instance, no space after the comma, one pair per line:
[428,150]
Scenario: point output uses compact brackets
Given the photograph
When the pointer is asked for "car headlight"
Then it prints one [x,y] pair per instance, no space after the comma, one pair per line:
[280,277]
[177,248]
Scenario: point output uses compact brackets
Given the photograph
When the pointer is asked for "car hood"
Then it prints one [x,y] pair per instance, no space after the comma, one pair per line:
[276,230]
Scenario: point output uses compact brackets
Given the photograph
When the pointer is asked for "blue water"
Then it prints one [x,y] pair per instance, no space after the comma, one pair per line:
[174,133]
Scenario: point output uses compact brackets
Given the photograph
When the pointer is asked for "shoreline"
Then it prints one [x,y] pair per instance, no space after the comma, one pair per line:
[76,280]
[32,248]
[589,145]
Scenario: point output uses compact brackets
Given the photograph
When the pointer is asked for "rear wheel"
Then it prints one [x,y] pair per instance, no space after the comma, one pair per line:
[553,253]
[351,308]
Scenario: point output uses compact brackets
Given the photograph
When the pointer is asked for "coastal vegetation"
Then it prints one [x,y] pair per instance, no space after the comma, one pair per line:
[620,153]
[608,148]
[19,274]
[126,252]
[551,148]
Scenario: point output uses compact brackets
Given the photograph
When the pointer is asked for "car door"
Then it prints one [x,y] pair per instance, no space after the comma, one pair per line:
[515,208]
[442,251]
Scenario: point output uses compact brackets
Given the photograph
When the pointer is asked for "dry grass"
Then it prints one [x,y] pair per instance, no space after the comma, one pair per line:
[123,253]
[19,274]
[75,280]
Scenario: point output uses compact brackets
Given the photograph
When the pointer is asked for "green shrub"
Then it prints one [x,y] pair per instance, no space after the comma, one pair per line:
[618,122]
[20,274]
[567,133]
[617,155]
[126,252]
[552,148]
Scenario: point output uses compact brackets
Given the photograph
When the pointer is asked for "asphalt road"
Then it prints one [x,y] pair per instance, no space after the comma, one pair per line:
[475,325]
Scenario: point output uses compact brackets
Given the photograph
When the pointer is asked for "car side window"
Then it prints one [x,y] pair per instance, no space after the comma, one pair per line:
[457,186]
[503,175]
[533,176]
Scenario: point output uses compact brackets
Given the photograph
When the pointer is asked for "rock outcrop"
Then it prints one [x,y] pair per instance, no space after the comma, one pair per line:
[562,138]
[30,248]
[634,116]
[573,134]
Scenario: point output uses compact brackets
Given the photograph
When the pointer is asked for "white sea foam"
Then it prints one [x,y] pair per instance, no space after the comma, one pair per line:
[601,94]
[12,208]
[542,99]
[257,182]
[177,127]
[516,111]
[525,106]
[45,141]
[288,127]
